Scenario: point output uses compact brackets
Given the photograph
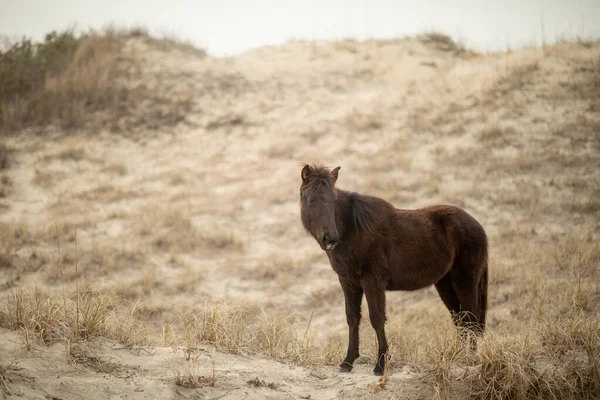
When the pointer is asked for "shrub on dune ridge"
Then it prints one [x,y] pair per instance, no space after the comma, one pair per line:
[73,81]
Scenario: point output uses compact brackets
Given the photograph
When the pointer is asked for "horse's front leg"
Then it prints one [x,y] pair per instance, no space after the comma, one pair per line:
[375,294]
[353,296]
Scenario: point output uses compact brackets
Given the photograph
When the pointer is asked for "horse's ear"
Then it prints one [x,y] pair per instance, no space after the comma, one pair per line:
[334,173]
[305,173]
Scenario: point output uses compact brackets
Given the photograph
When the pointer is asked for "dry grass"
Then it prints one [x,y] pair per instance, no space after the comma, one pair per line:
[81,317]
[445,43]
[220,325]
[5,154]
[71,82]
[4,379]
[258,383]
[514,79]
[80,79]
[173,230]
[190,376]
[5,160]
[14,261]
[116,169]
[73,152]
[5,186]
[103,193]
[165,43]
[561,358]
[281,268]
[280,338]
[127,328]
[360,121]
[248,330]
[557,353]
[522,367]
[497,135]
[324,298]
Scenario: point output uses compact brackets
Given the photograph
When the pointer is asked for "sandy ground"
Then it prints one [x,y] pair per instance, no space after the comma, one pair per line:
[109,372]
[207,210]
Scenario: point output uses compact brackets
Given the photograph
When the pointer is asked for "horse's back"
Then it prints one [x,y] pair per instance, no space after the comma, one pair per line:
[451,224]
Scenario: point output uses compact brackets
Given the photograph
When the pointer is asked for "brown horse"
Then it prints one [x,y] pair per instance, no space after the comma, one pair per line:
[374,247]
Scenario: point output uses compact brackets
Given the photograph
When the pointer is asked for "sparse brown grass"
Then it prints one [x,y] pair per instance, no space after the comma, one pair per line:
[526,365]
[104,193]
[49,318]
[5,186]
[281,338]
[4,379]
[348,44]
[523,367]
[16,263]
[116,168]
[560,358]
[190,376]
[47,178]
[246,330]
[325,298]
[5,160]
[282,268]
[259,383]
[173,229]
[515,78]
[5,154]
[361,121]
[220,324]
[127,328]
[581,129]
[444,42]
[69,81]
[497,135]
[72,153]
[79,79]
[508,369]
[165,43]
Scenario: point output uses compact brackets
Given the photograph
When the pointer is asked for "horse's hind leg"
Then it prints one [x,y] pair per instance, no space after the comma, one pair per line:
[466,285]
[483,285]
[449,297]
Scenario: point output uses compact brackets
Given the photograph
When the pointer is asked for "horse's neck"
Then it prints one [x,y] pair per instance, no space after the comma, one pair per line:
[343,211]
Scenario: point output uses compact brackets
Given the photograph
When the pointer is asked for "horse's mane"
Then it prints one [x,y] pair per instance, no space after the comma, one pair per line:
[368,211]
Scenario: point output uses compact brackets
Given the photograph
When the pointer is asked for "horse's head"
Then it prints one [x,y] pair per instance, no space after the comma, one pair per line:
[317,198]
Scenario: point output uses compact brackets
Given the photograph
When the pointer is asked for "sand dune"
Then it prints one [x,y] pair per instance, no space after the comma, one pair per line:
[201,216]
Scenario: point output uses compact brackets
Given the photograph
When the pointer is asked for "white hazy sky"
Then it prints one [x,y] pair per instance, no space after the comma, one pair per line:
[231,26]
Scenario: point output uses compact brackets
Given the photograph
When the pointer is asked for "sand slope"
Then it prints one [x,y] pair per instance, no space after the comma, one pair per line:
[207,210]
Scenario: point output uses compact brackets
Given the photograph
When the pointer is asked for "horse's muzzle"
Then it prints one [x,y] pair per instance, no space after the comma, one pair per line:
[328,243]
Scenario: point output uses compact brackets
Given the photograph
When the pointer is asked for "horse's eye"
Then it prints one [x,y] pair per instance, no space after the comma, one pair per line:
[311,202]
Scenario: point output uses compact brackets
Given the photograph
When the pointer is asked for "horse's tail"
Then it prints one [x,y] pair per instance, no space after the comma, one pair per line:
[483,286]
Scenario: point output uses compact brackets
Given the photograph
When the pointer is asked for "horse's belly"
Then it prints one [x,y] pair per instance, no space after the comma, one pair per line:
[417,276]
[408,285]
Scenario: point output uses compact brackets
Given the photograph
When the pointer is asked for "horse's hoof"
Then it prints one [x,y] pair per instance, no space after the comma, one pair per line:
[378,371]
[345,367]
